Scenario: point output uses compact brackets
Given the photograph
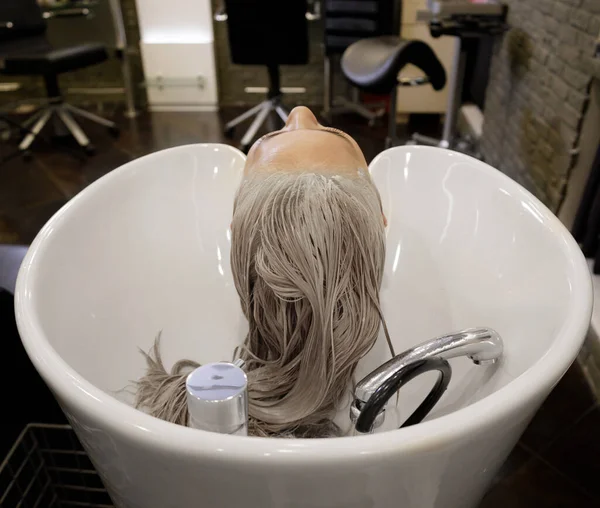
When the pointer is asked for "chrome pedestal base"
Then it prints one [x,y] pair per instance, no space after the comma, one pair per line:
[64,113]
[261,112]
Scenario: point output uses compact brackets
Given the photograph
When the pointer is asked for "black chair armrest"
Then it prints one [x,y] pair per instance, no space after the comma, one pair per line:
[71,12]
[312,14]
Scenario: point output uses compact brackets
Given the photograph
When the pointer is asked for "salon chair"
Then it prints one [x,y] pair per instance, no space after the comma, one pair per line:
[345,23]
[25,50]
[269,33]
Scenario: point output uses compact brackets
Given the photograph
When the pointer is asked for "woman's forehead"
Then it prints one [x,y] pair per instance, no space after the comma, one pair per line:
[306,150]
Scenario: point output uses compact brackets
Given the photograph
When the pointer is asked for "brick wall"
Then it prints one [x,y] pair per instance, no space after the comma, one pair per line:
[537,95]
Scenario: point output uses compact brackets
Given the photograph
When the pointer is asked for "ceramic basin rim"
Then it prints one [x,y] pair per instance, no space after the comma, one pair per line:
[130,424]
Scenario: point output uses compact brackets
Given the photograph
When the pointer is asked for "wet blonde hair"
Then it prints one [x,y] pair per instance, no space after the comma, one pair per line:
[307,257]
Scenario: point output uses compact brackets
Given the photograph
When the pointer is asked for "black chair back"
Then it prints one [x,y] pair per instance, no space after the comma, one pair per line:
[347,21]
[20,18]
[22,27]
[267,32]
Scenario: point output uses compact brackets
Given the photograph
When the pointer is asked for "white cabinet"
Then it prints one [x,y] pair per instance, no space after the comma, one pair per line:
[187,71]
[178,55]
[409,10]
[423,99]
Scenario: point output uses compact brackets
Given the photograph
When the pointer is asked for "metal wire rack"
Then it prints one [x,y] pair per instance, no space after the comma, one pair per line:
[48,468]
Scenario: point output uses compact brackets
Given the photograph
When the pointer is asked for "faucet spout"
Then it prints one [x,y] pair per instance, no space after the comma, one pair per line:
[367,412]
[482,345]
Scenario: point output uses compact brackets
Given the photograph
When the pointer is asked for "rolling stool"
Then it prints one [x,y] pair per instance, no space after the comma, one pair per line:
[346,22]
[373,65]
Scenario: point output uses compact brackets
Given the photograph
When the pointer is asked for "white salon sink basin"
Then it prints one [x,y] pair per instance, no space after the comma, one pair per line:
[146,248]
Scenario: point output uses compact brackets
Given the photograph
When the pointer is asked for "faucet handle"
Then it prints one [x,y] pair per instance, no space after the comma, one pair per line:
[370,414]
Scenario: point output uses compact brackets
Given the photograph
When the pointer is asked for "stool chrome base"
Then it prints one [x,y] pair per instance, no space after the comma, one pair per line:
[340,104]
[261,112]
[458,144]
[343,105]
[63,112]
[428,140]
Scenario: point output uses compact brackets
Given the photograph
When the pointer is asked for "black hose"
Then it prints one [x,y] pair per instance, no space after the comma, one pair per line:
[377,401]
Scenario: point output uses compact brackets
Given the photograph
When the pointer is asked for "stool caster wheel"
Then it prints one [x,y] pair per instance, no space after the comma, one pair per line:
[229,132]
[114,131]
[90,149]
[27,155]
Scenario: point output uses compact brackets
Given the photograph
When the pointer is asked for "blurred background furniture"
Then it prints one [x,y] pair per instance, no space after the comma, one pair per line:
[10,261]
[586,226]
[268,33]
[25,50]
[99,21]
[26,397]
[468,23]
[178,52]
[6,126]
[345,23]
[422,100]
[373,65]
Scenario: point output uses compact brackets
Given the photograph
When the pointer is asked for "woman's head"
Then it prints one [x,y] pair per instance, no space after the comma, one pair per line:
[305,145]
[308,250]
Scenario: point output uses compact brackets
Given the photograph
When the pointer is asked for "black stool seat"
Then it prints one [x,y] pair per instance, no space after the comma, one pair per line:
[373,64]
[49,61]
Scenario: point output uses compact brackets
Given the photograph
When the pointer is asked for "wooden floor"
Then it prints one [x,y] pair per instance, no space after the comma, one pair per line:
[557,462]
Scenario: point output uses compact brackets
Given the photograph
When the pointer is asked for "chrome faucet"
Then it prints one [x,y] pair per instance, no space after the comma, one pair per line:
[482,345]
